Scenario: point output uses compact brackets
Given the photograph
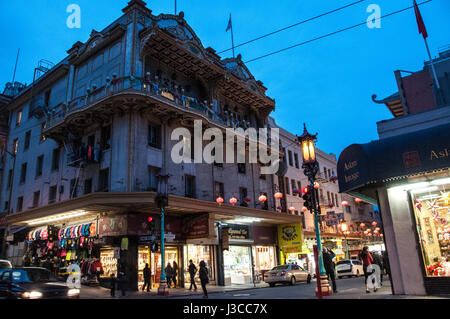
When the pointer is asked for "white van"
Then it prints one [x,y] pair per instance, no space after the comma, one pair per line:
[349,267]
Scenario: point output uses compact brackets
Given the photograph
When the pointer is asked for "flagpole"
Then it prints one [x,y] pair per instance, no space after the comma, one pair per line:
[432,64]
[232,38]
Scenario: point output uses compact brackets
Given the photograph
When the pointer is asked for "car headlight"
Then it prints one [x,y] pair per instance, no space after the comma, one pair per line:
[73,292]
[32,294]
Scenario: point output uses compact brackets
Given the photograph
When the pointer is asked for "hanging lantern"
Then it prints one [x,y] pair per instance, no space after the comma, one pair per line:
[358,200]
[219,200]
[247,199]
[374,223]
[278,195]
[316,185]
[292,209]
[262,198]
[344,203]
[304,209]
[295,191]
[233,200]
[377,229]
[362,225]
[381,235]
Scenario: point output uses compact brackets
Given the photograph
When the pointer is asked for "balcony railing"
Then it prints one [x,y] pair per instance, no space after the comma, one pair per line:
[129,83]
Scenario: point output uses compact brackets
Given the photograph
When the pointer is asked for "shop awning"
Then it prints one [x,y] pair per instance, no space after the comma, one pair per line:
[392,158]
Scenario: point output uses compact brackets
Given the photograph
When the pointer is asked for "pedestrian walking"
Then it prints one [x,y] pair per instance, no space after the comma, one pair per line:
[147,276]
[328,256]
[123,282]
[192,271]
[377,259]
[113,285]
[204,278]
[386,264]
[367,260]
[174,274]
[169,272]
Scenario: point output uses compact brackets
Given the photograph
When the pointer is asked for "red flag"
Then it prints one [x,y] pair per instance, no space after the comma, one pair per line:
[420,22]
[229,25]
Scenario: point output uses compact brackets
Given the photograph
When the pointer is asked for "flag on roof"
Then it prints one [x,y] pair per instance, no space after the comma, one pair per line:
[420,23]
[229,24]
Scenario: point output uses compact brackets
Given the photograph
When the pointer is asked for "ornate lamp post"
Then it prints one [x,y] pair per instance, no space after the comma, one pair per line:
[311,168]
[162,200]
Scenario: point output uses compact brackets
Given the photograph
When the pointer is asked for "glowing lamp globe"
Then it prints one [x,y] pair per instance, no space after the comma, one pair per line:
[344,203]
[262,198]
[374,223]
[278,195]
[233,200]
[219,200]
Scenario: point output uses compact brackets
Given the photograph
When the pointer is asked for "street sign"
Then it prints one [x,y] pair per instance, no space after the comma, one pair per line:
[10,238]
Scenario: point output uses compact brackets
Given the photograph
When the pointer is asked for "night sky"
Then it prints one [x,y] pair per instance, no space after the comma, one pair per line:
[327,83]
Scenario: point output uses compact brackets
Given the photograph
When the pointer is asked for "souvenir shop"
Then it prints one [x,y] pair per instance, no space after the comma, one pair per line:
[412,191]
[55,248]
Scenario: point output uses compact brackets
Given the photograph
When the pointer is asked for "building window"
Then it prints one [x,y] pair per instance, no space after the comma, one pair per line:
[42,138]
[291,163]
[153,173]
[242,195]
[329,173]
[55,159]
[36,197]
[303,220]
[296,160]
[154,135]
[15,145]
[19,117]
[88,186]
[189,186]
[241,168]
[284,156]
[19,203]
[91,140]
[337,202]
[321,193]
[52,192]
[287,186]
[293,184]
[103,180]
[105,137]
[6,206]
[9,179]
[47,98]
[73,188]
[27,140]
[39,165]
[23,173]
[325,172]
[219,190]
[348,209]
[299,186]
[328,197]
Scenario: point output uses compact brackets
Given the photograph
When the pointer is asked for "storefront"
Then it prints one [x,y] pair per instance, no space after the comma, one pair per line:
[408,177]
[290,241]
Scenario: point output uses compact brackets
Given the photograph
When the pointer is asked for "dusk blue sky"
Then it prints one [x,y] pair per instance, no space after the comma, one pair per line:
[328,83]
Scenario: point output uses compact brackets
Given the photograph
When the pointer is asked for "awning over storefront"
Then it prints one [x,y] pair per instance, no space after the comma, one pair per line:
[394,158]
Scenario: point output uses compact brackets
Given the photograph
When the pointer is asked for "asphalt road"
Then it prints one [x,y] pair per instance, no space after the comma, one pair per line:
[348,288]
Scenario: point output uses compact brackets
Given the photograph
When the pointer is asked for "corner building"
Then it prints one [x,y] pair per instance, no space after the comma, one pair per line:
[92,134]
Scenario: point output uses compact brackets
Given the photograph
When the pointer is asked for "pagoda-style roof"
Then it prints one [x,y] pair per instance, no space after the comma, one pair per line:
[393,103]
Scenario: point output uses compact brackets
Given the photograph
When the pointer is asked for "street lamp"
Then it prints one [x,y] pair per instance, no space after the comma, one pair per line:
[162,200]
[311,168]
[344,229]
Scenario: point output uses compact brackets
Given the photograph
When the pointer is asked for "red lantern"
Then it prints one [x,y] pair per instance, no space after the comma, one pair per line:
[219,200]
[374,223]
[278,195]
[262,198]
[381,235]
[292,209]
[377,229]
[304,209]
[344,203]
[233,200]
[362,225]
[247,199]
[358,200]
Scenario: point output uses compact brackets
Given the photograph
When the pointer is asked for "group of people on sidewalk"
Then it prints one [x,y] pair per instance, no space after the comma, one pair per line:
[366,258]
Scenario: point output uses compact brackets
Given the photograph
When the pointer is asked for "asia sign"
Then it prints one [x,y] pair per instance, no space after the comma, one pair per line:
[290,238]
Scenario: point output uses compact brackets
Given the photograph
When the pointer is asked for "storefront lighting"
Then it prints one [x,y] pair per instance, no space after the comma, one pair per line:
[424,190]
[441,181]
[246,220]
[52,219]
[407,187]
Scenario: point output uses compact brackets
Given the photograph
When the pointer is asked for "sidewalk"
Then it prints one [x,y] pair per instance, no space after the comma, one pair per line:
[104,293]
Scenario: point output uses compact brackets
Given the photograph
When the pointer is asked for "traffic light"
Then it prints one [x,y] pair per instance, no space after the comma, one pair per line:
[307,197]
[151,225]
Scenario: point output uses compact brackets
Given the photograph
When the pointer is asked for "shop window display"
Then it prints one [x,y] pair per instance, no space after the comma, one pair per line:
[109,263]
[143,258]
[264,258]
[198,253]
[237,265]
[432,212]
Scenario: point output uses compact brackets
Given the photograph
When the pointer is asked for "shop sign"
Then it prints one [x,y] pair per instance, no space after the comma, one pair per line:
[145,239]
[225,238]
[113,226]
[10,238]
[196,227]
[238,231]
[290,237]
[2,221]
[169,237]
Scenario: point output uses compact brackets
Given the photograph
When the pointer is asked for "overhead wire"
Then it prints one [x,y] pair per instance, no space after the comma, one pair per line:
[293,25]
[333,33]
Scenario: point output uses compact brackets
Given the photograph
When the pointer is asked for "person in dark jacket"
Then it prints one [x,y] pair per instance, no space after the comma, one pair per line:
[192,271]
[147,275]
[328,264]
[123,282]
[174,274]
[113,285]
[204,278]
[377,259]
[169,272]
[386,264]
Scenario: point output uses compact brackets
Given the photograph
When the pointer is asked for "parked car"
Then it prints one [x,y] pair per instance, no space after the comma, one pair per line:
[349,267]
[287,274]
[4,265]
[33,283]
